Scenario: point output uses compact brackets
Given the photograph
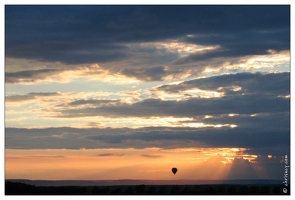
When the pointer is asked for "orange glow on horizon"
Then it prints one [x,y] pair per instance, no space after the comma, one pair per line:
[112,164]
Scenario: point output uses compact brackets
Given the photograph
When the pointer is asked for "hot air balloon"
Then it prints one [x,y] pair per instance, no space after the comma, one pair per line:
[174,170]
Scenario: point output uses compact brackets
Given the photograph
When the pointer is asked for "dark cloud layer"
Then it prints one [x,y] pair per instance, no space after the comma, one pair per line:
[208,137]
[267,139]
[244,104]
[29,96]
[150,74]
[276,120]
[29,75]
[238,44]
[258,83]
[102,34]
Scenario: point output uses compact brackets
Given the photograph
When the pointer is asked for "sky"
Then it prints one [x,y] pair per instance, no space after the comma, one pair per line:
[107,92]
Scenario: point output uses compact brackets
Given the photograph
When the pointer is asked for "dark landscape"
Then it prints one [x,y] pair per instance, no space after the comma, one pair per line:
[146,187]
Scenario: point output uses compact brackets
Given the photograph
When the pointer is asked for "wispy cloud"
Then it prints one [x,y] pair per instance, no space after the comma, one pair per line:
[30,96]
[109,154]
[151,156]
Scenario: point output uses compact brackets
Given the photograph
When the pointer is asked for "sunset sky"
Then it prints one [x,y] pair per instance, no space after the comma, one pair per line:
[103,92]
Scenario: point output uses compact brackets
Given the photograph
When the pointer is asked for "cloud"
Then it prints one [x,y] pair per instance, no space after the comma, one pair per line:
[242,93]
[212,137]
[138,41]
[30,96]
[151,156]
[269,138]
[50,72]
[150,74]
[36,157]
[243,104]
[246,100]
[249,170]
[109,154]
[238,44]
[97,102]
[29,75]
[240,83]
[133,23]
[276,120]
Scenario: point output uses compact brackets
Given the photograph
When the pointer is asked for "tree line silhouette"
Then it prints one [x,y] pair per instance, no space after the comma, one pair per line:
[16,188]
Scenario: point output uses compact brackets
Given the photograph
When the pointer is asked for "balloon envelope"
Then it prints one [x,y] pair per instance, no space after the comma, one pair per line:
[174,170]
